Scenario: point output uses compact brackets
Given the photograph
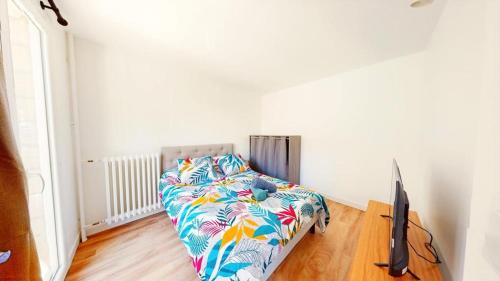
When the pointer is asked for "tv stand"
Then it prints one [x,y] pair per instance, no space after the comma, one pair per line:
[373,246]
[380,264]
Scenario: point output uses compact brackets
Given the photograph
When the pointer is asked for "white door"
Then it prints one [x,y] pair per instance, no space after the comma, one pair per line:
[22,45]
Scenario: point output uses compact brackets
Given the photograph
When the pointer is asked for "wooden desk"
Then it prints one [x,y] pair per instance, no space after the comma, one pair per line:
[373,246]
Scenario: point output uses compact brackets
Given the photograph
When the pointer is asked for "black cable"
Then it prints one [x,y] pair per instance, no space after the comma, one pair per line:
[437,261]
[428,246]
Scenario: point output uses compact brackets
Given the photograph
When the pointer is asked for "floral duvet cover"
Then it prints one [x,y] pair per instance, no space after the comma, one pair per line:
[228,234]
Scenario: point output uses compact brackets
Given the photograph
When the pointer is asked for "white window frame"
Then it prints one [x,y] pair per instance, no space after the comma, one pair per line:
[43,25]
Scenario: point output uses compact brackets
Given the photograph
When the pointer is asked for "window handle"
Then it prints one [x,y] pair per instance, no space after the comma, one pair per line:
[41,179]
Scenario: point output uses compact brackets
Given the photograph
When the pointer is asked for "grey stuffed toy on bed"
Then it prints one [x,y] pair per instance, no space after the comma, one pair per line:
[264,185]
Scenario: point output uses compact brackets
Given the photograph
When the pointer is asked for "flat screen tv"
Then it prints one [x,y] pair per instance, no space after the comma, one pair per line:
[398,242]
[398,247]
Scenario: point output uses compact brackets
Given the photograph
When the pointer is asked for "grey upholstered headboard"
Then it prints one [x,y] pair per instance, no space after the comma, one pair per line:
[170,154]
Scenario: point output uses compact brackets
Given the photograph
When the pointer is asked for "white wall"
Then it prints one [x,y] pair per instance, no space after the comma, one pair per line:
[436,112]
[462,119]
[482,254]
[352,126]
[132,103]
[482,261]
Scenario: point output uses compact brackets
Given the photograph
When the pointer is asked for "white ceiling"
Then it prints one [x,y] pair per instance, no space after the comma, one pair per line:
[261,44]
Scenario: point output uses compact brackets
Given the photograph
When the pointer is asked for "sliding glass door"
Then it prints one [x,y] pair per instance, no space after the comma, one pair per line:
[27,102]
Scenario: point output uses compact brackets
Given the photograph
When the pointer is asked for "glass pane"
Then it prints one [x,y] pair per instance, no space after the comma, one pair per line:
[31,129]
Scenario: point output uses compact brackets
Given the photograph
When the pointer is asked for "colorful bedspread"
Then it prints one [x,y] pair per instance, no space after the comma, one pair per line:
[229,235]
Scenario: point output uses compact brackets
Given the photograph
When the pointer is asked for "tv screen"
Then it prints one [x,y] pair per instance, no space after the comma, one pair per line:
[398,255]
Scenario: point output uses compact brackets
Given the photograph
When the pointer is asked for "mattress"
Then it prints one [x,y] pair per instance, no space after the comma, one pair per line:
[229,235]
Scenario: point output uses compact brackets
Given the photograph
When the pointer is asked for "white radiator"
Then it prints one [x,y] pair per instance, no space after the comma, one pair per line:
[131,187]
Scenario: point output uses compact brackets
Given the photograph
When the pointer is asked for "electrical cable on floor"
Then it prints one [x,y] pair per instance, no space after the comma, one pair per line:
[428,246]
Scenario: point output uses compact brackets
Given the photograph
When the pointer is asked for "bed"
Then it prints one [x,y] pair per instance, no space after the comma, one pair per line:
[229,235]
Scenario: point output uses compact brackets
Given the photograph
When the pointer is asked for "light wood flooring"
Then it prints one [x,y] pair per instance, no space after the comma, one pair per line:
[149,249]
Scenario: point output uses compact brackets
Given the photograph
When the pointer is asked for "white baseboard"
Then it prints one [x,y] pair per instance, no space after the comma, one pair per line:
[66,263]
[345,202]
[94,229]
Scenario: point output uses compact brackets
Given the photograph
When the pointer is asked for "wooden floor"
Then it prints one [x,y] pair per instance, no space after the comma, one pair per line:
[150,249]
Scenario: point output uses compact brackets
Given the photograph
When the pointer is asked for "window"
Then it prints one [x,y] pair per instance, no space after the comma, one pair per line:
[27,101]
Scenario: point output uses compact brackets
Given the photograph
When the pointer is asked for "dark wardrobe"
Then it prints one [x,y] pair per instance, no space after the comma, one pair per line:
[276,156]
